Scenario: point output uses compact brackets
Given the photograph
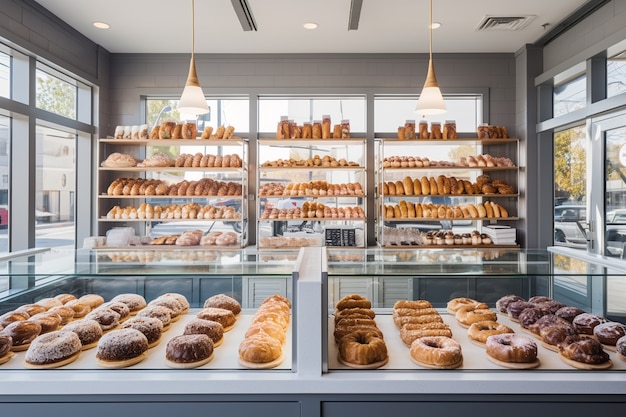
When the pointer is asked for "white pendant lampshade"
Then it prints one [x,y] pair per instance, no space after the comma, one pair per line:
[192,100]
[430,100]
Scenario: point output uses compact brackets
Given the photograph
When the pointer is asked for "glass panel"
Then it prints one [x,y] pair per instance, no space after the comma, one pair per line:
[55,188]
[5,134]
[570,96]
[223,112]
[390,112]
[56,95]
[5,75]
[616,75]
[570,176]
[301,110]
[615,192]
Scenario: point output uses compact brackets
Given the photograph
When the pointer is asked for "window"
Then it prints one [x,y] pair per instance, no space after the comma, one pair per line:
[570,187]
[570,96]
[616,75]
[5,75]
[55,94]
[5,134]
[55,188]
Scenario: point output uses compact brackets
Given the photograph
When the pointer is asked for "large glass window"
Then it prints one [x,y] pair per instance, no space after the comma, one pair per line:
[5,75]
[615,192]
[570,95]
[5,134]
[55,196]
[616,75]
[56,94]
[570,187]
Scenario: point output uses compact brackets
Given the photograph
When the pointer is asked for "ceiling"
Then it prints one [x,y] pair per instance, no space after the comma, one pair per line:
[385,26]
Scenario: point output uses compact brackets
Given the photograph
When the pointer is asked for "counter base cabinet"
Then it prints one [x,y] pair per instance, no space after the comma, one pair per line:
[303,405]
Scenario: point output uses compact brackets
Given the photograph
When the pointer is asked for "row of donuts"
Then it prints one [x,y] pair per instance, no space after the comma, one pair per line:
[360,342]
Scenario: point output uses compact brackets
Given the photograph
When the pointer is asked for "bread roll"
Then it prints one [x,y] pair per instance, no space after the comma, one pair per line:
[408,185]
[411,210]
[447,186]
[488,209]
[417,187]
[396,212]
[467,187]
[434,187]
[441,212]
[482,213]
[418,210]
[425,185]
[473,211]
[404,210]
[399,188]
[497,213]
[392,188]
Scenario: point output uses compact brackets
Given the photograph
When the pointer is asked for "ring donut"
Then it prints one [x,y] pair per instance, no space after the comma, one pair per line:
[481,330]
[436,351]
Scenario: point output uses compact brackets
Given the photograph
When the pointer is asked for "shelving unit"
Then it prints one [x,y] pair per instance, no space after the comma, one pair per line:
[458,204]
[307,201]
[209,209]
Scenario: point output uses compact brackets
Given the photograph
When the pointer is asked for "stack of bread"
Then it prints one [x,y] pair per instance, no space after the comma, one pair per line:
[203,187]
[316,161]
[311,188]
[313,210]
[443,185]
[470,161]
[408,210]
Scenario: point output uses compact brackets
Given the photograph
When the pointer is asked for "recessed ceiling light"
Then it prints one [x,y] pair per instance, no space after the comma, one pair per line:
[101,25]
[310,25]
[436,25]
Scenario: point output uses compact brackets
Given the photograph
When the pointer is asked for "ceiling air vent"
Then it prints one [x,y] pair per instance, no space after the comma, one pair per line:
[504,22]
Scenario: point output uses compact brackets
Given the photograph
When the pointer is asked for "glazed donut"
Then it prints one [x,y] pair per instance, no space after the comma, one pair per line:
[537,299]
[66,314]
[530,315]
[48,303]
[164,314]
[585,323]
[225,302]
[120,308]
[469,314]
[555,335]
[88,331]
[411,331]
[211,328]
[552,306]
[92,300]
[182,300]
[135,302]
[609,333]
[400,321]
[413,311]
[53,349]
[362,348]
[356,322]
[49,322]
[353,312]
[260,348]
[417,304]
[436,351]
[342,331]
[456,303]
[503,302]
[620,346]
[80,309]
[268,327]
[584,350]
[31,309]
[224,317]
[12,316]
[121,348]
[173,304]
[568,313]
[22,332]
[151,327]
[481,330]
[6,342]
[516,307]
[353,301]
[545,321]
[189,350]
[106,318]
[509,347]
[64,298]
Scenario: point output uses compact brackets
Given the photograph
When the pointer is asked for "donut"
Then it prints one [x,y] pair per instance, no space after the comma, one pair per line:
[353,301]
[503,302]
[362,348]
[277,297]
[456,303]
[135,302]
[80,309]
[225,302]
[121,348]
[180,298]
[22,332]
[481,330]
[436,351]
[106,318]
[52,350]
[354,312]
[516,307]
[400,321]
[260,348]
[620,346]
[585,323]
[413,311]
[411,331]
[151,327]
[511,348]
[568,313]
[545,321]
[584,350]
[609,333]
[158,312]
[417,304]
[65,298]
[31,309]
[211,328]
[92,300]
[530,315]
[356,322]
[537,299]
[552,306]
[120,308]
[173,304]
[12,316]
[342,331]
[49,322]
[469,314]
[224,317]
[66,314]
[48,303]
[88,331]
[554,335]
[6,342]
[189,351]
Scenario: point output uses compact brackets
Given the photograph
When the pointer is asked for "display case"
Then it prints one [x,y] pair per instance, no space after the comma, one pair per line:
[311,193]
[457,185]
[158,188]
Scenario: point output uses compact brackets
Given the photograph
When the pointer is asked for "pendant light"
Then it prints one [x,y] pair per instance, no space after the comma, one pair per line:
[430,100]
[192,100]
